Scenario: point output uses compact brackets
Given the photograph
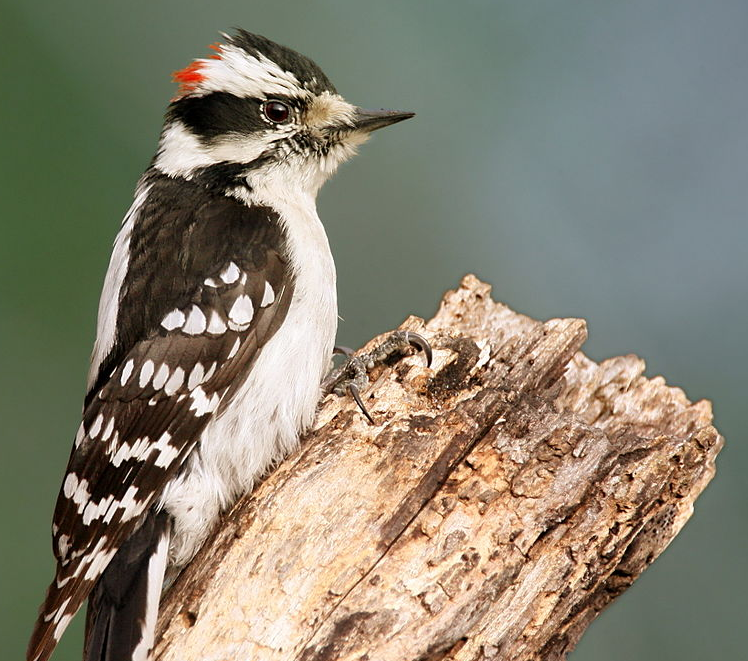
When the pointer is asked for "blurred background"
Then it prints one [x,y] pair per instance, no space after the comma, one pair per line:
[587,158]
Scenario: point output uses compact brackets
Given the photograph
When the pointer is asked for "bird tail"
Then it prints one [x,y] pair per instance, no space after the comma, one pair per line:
[123,605]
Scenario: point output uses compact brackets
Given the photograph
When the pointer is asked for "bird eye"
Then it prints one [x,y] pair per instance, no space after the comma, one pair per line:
[276,111]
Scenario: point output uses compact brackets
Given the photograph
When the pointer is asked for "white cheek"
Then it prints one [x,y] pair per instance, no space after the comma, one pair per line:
[240,148]
[180,153]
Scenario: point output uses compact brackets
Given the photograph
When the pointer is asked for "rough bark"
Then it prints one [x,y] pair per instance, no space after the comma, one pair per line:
[503,499]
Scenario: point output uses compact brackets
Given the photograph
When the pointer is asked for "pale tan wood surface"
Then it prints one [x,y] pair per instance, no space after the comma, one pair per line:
[504,497]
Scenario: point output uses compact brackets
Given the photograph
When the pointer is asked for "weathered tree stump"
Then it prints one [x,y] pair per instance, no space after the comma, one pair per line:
[503,499]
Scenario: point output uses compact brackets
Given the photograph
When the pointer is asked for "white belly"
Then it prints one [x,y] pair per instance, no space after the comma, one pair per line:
[275,404]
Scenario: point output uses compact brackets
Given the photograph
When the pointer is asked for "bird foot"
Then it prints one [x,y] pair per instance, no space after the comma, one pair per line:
[352,376]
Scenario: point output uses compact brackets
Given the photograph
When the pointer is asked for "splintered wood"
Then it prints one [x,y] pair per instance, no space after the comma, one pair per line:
[505,496]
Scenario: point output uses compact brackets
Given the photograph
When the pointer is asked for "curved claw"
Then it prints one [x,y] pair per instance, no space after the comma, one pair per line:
[420,342]
[353,390]
[345,351]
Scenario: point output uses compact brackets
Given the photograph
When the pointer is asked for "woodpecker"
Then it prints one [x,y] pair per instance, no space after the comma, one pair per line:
[215,327]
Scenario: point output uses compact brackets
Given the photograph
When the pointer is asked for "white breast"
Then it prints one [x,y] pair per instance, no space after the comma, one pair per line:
[277,401]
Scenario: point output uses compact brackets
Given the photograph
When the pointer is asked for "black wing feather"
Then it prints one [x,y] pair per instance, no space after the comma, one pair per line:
[220,269]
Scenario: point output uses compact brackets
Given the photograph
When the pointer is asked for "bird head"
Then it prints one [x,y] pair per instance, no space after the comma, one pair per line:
[262,112]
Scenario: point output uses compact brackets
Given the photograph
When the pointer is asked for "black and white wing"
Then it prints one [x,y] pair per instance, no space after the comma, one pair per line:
[207,284]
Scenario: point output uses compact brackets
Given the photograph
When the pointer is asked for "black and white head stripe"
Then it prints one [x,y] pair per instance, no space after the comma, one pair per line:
[207,284]
[249,65]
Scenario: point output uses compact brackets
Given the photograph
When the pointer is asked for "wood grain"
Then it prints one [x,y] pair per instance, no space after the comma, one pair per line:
[505,496]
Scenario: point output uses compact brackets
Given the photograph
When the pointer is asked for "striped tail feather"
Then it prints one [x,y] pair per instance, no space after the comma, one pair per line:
[73,582]
[123,606]
[123,586]
[123,592]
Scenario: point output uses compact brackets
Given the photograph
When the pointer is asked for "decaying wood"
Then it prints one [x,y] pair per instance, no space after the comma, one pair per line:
[504,497]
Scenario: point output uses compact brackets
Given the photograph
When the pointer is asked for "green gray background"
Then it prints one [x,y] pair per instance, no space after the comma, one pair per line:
[588,158]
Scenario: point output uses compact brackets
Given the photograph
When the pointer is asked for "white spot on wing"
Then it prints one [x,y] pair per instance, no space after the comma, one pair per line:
[95,511]
[138,450]
[96,426]
[146,372]
[89,513]
[196,322]
[166,453]
[161,375]
[211,282]
[80,435]
[108,429]
[175,381]
[216,325]
[126,371]
[268,296]
[196,376]
[123,452]
[201,403]
[63,546]
[241,313]
[76,490]
[230,274]
[173,320]
[130,504]
[70,484]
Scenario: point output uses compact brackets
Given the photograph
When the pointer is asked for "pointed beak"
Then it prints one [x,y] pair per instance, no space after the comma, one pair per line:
[371,120]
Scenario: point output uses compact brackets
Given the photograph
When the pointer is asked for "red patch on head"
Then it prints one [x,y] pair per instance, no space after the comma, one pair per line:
[191,76]
[217,48]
